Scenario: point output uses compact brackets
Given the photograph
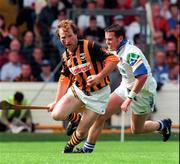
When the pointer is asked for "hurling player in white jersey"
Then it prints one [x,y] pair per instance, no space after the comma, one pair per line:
[136,92]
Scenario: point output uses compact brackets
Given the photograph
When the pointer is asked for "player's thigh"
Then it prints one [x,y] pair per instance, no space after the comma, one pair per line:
[114,104]
[66,105]
[137,121]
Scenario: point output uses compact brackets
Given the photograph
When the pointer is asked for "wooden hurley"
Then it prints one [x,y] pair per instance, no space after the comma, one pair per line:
[5,105]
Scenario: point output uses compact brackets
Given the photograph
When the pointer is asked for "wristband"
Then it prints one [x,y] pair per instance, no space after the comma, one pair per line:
[132,94]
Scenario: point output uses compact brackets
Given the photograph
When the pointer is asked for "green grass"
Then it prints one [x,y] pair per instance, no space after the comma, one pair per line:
[47,148]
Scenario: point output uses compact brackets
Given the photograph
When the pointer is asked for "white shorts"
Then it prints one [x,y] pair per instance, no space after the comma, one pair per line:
[96,102]
[142,103]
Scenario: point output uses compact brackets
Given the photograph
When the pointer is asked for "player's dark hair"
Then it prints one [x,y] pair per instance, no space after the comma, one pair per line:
[18,96]
[117,29]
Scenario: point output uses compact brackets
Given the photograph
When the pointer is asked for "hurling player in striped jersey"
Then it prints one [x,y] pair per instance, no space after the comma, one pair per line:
[87,65]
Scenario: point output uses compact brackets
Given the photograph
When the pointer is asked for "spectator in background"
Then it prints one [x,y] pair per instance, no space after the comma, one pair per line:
[159,42]
[27,15]
[3,31]
[15,45]
[39,4]
[25,75]
[139,42]
[12,68]
[1,45]
[160,69]
[48,14]
[100,4]
[110,4]
[119,19]
[78,4]
[83,20]
[175,36]
[35,62]
[159,22]
[3,58]
[138,25]
[165,4]
[12,34]
[93,32]
[125,5]
[171,54]
[133,28]
[172,57]
[174,74]
[46,74]
[28,45]
[175,16]
[140,4]
[55,41]
[16,120]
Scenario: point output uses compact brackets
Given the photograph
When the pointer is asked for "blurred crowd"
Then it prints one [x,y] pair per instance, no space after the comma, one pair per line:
[33,54]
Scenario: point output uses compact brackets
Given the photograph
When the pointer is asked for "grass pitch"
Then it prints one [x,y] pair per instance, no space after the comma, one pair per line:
[47,149]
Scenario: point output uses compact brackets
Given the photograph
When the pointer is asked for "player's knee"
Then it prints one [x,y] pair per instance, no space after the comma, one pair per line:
[101,119]
[56,116]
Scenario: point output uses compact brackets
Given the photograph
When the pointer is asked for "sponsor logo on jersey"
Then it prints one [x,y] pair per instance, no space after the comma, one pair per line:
[80,68]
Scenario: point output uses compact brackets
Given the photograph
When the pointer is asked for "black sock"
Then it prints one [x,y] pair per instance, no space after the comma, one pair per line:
[74,117]
[74,140]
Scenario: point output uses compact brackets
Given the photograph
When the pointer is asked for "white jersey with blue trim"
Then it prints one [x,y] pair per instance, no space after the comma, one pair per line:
[133,63]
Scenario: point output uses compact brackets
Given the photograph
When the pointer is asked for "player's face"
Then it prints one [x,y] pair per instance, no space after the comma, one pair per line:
[68,38]
[111,40]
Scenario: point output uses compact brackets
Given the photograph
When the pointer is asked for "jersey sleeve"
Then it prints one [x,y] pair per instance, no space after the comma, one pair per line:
[136,62]
[65,69]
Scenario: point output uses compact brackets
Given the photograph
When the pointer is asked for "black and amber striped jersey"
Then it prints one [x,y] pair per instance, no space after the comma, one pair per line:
[88,59]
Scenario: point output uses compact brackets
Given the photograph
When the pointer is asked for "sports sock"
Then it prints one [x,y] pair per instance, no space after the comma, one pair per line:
[74,140]
[161,123]
[74,117]
[88,147]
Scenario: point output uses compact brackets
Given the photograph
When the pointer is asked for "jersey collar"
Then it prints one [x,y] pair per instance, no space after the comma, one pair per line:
[121,45]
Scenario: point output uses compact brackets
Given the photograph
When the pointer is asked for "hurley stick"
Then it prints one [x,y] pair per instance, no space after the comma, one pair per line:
[5,105]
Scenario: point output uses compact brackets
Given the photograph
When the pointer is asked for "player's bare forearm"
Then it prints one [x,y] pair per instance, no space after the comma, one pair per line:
[63,85]
[109,67]
[61,90]
[95,79]
[139,83]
